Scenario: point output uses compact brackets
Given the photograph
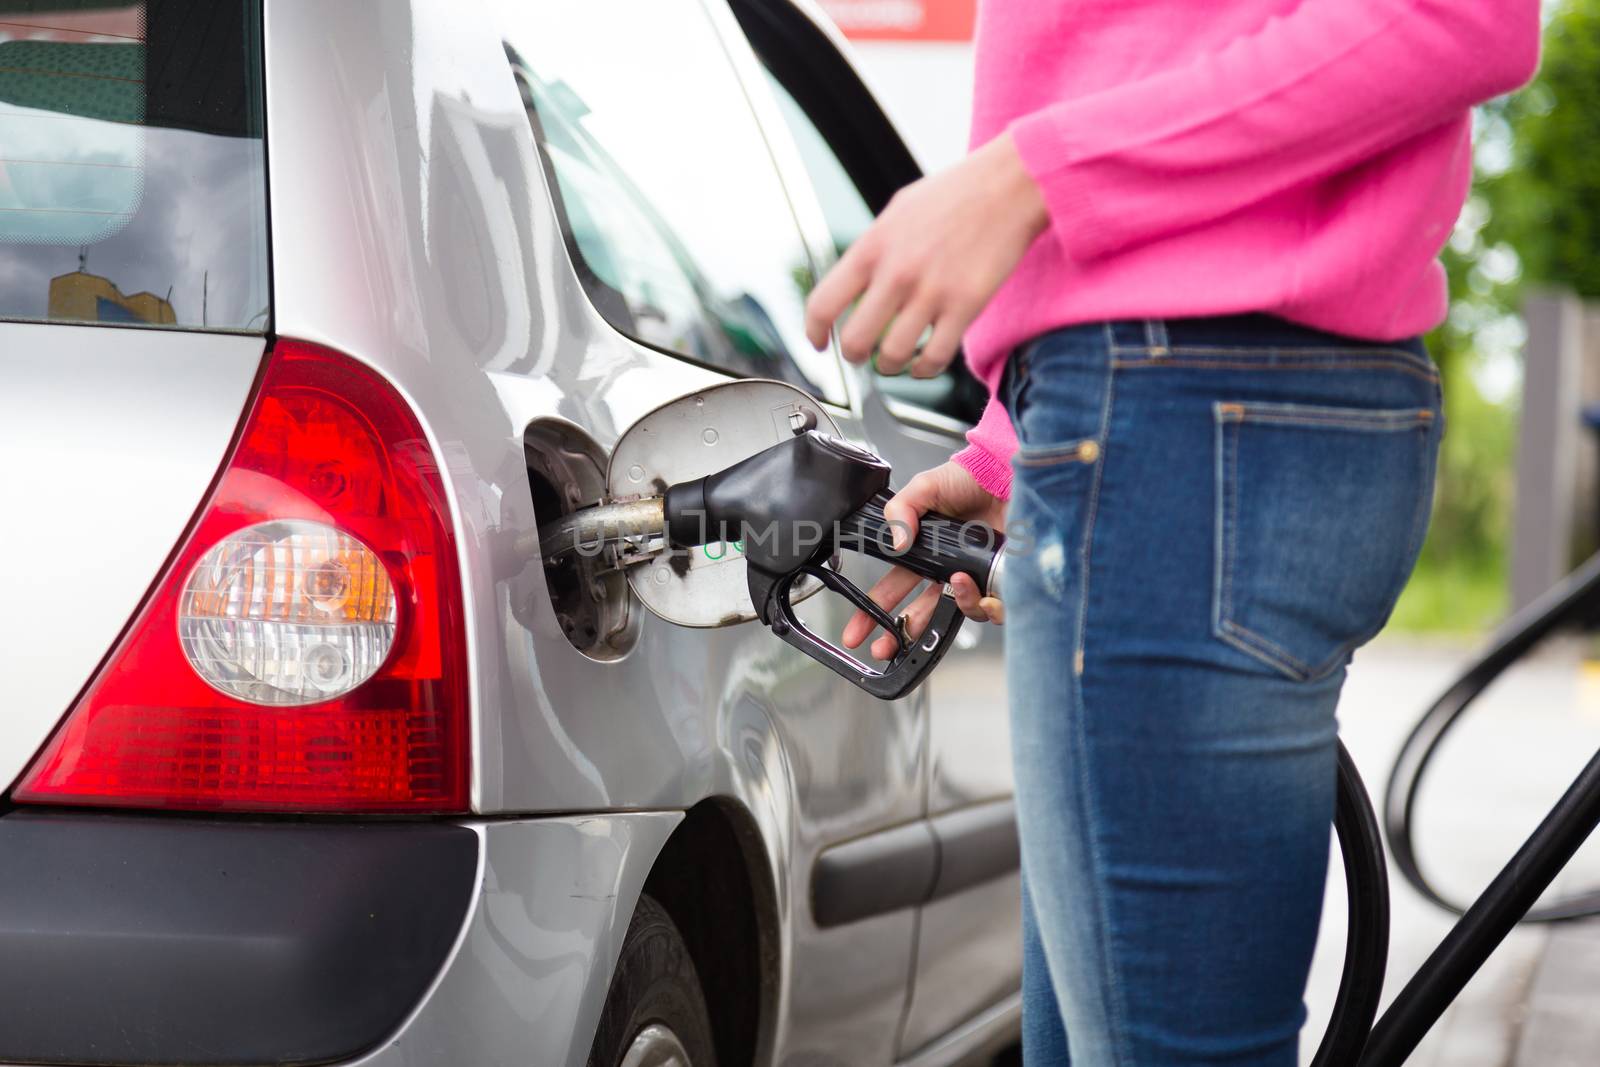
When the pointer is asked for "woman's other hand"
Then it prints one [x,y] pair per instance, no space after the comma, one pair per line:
[935,257]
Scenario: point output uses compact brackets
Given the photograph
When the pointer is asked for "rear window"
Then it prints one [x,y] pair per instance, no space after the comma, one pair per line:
[132,178]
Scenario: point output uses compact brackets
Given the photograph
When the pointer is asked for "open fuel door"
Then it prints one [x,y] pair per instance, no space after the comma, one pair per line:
[688,438]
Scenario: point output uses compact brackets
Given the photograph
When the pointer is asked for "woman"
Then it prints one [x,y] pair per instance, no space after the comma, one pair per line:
[1191,256]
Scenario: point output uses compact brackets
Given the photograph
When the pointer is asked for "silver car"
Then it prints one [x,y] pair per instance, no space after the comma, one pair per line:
[311,314]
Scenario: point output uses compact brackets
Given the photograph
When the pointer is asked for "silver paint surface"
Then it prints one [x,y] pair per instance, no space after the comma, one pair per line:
[528,976]
[109,439]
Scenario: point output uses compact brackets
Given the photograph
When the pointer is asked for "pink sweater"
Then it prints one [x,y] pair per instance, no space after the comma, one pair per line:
[1305,158]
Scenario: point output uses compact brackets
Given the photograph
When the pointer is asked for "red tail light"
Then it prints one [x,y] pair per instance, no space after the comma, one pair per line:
[305,649]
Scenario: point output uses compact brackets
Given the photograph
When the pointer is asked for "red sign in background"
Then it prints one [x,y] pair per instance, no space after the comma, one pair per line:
[904,20]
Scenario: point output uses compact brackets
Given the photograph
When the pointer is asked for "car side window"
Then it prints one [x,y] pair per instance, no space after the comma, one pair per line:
[675,216]
[956,393]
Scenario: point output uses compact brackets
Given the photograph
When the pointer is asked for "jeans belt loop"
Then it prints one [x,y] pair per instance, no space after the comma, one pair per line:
[1155,335]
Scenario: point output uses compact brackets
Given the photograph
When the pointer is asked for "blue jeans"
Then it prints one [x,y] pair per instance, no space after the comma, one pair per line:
[1209,517]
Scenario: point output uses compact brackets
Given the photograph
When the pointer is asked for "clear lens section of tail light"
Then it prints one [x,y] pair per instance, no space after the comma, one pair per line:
[287,613]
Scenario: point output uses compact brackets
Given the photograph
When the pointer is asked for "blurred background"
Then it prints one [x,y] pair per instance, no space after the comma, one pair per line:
[1517,508]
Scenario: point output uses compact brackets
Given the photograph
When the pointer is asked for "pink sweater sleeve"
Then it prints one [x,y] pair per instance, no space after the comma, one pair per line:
[990,445]
[1309,95]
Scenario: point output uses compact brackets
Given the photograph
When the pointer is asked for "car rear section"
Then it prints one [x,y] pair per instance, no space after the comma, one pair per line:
[305,757]
[242,820]
[232,569]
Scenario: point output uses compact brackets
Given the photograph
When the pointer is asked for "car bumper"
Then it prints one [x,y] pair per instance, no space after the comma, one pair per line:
[129,940]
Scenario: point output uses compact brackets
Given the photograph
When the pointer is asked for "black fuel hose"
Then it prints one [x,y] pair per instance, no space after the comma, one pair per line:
[1575,598]
[1366,946]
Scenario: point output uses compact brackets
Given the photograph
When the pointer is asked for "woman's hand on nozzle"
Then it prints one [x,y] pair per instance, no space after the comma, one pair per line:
[951,489]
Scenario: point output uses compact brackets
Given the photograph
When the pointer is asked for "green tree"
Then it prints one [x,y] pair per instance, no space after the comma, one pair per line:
[1546,203]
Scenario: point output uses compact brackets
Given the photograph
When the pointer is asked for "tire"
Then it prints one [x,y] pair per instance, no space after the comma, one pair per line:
[655,1013]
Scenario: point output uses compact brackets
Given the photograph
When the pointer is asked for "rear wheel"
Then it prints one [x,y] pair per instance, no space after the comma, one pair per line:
[655,1013]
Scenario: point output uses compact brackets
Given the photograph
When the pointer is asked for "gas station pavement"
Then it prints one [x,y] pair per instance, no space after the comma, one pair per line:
[1537,1002]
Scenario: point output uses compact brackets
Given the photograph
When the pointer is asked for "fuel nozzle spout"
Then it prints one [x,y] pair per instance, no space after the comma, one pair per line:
[593,529]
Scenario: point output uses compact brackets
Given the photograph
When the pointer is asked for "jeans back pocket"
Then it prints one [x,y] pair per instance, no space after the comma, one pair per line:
[1320,516]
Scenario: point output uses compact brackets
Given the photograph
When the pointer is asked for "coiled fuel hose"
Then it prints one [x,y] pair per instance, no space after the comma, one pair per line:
[1366,946]
[1575,599]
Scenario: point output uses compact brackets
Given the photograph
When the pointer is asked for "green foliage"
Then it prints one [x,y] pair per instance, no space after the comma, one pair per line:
[1451,599]
[1460,584]
[1474,498]
[1547,202]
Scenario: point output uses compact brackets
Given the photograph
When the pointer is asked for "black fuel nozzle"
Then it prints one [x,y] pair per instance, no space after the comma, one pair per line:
[793,505]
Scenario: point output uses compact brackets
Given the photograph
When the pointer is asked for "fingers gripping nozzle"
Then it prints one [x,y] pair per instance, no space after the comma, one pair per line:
[793,505]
